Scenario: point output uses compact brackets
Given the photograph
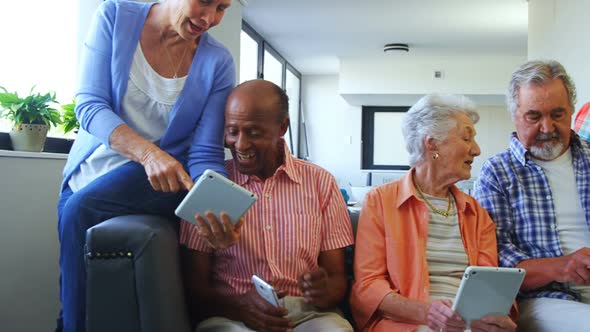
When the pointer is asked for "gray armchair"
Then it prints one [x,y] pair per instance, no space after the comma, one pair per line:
[134,280]
[134,277]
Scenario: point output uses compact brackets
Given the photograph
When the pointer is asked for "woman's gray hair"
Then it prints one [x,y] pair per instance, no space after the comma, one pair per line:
[434,115]
[538,72]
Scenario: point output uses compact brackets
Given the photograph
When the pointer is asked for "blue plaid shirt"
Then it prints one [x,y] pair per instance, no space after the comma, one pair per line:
[516,193]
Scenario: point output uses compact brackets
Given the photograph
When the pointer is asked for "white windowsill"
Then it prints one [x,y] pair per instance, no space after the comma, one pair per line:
[37,155]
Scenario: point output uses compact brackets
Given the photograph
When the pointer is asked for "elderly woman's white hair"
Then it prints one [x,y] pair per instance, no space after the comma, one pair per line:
[434,115]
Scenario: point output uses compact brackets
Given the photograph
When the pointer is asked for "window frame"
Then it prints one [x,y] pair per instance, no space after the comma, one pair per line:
[264,45]
[297,74]
[259,40]
[368,136]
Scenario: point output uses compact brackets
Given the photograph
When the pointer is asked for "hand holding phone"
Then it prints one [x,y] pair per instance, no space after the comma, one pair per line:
[266,291]
[260,312]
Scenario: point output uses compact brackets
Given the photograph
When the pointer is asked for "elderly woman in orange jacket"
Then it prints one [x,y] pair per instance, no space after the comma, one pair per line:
[417,235]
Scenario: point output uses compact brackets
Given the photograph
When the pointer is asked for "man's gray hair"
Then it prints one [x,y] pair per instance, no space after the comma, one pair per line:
[434,115]
[538,72]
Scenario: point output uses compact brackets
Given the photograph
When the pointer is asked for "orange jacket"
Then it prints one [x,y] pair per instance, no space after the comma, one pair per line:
[390,250]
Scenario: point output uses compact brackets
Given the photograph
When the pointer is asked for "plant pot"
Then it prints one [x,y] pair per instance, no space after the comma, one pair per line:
[29,137]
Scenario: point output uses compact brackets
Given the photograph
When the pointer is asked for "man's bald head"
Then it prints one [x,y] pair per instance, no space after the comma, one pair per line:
[269,95]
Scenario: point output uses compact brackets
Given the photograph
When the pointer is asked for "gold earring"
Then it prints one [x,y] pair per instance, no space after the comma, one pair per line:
[435,156]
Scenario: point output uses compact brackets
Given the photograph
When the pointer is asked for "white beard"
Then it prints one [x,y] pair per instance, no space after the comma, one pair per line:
[547,151]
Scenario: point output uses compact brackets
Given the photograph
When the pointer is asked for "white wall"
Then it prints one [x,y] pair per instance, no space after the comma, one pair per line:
[558,30]
[402,79]
[29,299]
[331,121]
[493,133]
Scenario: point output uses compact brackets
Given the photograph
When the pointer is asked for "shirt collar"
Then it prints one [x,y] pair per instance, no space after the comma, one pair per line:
[407,191]
[522,154]
[519,151]
[287,167]
[575,141]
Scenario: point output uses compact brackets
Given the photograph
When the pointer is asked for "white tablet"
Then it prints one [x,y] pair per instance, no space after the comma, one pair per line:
[213,192]
[487,291]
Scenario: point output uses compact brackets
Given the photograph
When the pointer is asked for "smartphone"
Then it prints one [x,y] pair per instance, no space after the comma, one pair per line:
[266,291]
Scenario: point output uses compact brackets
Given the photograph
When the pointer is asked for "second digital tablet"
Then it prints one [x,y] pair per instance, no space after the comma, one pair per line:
[487,291]
[213,192]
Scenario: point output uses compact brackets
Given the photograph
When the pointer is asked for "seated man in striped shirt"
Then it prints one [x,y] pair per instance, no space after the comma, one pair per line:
[293,237]
[537,193]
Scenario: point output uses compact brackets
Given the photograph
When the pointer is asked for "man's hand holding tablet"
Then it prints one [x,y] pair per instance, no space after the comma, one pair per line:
[219,234]
[216,205]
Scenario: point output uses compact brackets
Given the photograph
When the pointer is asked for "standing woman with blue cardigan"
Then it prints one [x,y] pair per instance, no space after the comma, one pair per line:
[150,101]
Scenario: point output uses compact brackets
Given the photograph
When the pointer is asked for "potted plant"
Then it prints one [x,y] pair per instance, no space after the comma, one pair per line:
[69,120]
[31,117]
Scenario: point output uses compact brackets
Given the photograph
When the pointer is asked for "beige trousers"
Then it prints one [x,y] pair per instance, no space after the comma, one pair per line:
[304,316]
[549,315]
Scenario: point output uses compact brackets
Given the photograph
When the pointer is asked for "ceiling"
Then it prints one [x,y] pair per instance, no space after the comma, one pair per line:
[313,35]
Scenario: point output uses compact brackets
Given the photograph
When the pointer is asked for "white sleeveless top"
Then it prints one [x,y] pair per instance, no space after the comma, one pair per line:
[145,109]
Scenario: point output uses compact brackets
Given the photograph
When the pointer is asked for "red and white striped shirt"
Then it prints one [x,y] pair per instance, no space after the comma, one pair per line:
[299,213]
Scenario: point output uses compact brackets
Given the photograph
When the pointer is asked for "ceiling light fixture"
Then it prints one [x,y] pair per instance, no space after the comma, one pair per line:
[396,47]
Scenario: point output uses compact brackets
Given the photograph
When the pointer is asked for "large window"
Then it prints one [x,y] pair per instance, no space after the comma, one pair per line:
[273,67]
[258,59]
[248,57]
[39,49]
[383,146]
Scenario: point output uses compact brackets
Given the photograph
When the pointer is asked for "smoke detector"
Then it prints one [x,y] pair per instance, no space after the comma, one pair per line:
[396,47]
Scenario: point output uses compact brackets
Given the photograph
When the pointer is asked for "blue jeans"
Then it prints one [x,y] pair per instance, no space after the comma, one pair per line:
[123,191]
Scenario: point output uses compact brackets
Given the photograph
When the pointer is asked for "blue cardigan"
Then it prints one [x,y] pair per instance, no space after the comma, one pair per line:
[195,133]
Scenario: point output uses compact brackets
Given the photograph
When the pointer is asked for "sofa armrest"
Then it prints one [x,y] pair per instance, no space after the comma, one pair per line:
[349,260]
[134,280]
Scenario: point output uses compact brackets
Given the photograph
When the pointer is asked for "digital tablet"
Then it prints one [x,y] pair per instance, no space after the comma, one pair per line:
[213,192]
[487,291]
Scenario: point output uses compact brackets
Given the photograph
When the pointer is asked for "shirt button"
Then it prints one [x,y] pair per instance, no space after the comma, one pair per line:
[553,226]
[548,197]
[268,227]
[266,196]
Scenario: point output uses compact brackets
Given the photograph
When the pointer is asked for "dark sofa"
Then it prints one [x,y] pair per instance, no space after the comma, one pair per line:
[134,279]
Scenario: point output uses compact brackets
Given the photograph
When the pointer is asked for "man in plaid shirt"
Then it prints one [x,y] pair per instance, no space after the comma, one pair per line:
[537,192]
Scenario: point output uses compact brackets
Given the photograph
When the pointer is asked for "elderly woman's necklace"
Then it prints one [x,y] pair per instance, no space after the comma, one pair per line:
[431,206]
[177,66]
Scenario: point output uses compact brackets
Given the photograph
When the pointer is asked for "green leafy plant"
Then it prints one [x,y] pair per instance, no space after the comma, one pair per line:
[33,109]
[69,120]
